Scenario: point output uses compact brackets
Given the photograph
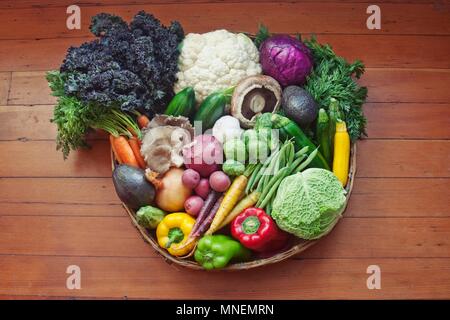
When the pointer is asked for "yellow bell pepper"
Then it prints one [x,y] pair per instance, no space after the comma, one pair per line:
[341,159]
[172,233]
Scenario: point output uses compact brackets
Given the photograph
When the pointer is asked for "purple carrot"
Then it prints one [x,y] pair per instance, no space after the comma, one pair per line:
[204,211]
[207,221]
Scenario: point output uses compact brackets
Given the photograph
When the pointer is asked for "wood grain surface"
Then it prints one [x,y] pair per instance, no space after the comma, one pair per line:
[55,213]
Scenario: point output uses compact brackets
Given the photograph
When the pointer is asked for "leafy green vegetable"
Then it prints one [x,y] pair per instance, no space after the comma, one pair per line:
[309,203]
[74,118]
[233,168]
[261,36]
[132,67]
[234,149]
[149,217]
[333,77]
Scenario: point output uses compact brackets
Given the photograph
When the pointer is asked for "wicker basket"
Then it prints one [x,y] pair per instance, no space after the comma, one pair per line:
[294,248]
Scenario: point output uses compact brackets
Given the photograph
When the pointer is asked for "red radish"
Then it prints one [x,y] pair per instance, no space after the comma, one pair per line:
[202,188]
[191,178]
[219,181]
[193,205]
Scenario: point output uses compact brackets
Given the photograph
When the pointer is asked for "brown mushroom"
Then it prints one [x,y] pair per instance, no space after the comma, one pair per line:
[253,96]
[163,141]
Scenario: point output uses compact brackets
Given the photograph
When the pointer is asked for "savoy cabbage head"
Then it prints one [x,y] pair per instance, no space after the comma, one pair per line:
[309,203]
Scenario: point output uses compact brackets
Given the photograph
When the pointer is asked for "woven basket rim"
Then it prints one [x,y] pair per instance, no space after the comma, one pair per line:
[301,246]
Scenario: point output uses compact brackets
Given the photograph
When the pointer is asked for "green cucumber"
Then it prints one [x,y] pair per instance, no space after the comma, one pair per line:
[213,107]
[183,104]
[323,135]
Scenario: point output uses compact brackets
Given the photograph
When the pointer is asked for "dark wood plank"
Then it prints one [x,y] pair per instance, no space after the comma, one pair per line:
[29,88]
[399,197]
[40,158]
[293,279]
[68,191]
[33,123]
[374,50]
[61,209]
[403,158]
[5,82]
[407,85]
[408,120]
[385,85]
[72,236]
[116,236]
[25,122]
[14,4]
[280,17]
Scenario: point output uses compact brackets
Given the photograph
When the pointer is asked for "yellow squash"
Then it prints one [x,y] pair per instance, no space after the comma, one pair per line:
[172,233]
[341,159]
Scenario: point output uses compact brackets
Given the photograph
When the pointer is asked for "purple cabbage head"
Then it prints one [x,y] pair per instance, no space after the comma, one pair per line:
[286,59]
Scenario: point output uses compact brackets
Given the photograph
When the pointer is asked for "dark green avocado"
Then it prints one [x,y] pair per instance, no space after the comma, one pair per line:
[299,105]
[132,187]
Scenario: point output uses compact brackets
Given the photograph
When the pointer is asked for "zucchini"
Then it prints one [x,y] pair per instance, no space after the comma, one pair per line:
[323,135]
[183,104]
[289,129]
[213,107]
[335,117]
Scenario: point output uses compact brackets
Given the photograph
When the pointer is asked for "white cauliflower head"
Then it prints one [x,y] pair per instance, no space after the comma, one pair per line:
[215,61]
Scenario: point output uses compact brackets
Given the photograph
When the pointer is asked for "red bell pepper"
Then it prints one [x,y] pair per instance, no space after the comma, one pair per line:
[256,230]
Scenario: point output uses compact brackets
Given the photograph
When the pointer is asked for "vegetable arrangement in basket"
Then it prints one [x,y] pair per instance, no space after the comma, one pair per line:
[228,149]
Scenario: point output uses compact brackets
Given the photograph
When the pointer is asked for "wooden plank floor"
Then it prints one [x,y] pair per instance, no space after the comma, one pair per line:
[56,213]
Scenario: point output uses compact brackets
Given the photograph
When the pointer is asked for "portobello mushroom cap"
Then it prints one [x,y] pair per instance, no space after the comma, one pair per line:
[253,96]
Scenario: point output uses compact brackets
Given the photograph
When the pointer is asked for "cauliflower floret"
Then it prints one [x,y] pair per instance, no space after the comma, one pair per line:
[215,61]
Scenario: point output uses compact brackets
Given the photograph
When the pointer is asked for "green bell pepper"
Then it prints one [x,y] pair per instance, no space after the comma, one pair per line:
[216,251]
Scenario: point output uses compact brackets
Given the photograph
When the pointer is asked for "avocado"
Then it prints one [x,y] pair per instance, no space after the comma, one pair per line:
[299,106]
[132,187]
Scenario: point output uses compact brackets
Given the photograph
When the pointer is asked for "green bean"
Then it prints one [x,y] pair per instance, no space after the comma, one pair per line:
[271,193]
[307,161]
[251,181]
[302,151]
[280,175]
[268,209]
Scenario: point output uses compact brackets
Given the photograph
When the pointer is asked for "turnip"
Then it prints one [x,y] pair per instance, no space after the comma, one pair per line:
[202,188]
[219,181]
[190,178]
[193,205]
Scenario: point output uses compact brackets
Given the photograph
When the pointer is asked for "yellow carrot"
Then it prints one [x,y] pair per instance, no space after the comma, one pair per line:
[246,202]
[229,201]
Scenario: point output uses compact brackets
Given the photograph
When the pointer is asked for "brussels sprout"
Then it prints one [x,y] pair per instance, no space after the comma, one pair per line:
[149,217]
[234,149]
[233,168]
[258,144]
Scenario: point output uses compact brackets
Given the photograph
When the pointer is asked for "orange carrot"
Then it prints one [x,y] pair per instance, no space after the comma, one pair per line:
[143,121]
[113,147]
[124,151]
[135,145]
[132,131]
